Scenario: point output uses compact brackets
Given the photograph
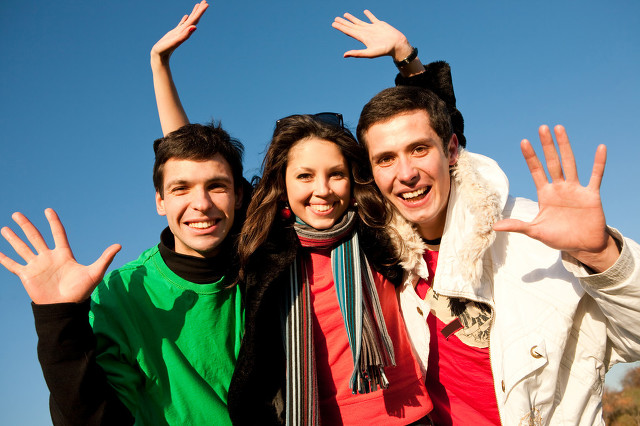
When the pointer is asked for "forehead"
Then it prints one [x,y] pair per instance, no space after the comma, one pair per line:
[313,152]
[215,168]
[399,131]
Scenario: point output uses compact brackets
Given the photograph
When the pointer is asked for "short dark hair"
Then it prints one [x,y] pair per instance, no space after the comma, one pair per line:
[403,100]
[197,142]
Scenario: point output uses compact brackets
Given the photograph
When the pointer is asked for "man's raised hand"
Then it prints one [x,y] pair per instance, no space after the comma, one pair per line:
[380,38]
[163,49]
[53,275]
[571,217]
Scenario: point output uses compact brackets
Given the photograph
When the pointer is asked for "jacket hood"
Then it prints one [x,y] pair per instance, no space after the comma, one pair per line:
[479,192]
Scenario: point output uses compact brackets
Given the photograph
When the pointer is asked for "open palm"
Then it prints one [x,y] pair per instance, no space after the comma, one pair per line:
[571,217]
[178,35]
[53,275]
[380,38]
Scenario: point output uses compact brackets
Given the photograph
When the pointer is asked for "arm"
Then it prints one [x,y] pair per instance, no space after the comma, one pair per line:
[571,219]
[616,292]
[80,392]
[59,288]
[170,110]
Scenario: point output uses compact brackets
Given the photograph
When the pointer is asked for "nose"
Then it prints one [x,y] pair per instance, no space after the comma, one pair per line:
[201,200]
[322,188]
[407,172]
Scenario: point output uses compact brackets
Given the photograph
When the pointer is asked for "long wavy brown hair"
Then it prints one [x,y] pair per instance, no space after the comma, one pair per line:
[270,193]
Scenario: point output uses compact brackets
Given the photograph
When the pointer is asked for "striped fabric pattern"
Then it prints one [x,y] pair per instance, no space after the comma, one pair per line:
[370,343]
[301,384]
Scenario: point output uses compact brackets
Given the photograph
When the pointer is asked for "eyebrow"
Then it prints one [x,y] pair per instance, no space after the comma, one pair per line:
[382,154]
[311,169]
[409,147]
[222,178]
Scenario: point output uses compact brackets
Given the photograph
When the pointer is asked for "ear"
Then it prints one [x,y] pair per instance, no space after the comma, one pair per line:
[239,194]
[453,150]
[160,205]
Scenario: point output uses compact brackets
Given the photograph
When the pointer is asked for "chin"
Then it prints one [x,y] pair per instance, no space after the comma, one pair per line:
[321,224]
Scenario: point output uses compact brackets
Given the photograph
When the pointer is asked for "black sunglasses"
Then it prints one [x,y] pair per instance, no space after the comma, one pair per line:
[333,118]
[330,118]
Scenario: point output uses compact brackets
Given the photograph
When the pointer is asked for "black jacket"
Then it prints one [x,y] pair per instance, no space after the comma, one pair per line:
[257,391]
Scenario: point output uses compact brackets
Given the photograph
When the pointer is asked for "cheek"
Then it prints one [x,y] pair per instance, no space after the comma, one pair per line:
[227,202]
[295,197]
[344,191]
[297,205]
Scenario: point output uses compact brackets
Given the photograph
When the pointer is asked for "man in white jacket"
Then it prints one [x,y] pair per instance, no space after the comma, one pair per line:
[515,309]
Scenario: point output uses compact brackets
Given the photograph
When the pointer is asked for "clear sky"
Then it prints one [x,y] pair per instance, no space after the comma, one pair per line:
[78,115]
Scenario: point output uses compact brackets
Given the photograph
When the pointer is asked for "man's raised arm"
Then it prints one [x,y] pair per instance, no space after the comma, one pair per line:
[60,288]
[170,110]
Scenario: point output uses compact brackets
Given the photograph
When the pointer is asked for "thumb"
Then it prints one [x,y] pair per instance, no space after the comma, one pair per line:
[356,54]
[99,267]
[511,225]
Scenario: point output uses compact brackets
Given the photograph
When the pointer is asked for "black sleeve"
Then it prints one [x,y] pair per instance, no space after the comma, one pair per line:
[437,78]
[80,392]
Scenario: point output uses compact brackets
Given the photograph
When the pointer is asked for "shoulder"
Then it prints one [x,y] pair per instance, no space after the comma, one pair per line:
[520,208]
[136,270]
[526,252]
[272,257]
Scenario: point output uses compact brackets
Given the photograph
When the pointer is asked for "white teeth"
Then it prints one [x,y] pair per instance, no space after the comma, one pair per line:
[321,207]
[201,225]
[413,194]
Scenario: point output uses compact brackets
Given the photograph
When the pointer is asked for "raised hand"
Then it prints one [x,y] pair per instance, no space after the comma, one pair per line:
[571,217]
[163,49]
[53,276]
[380,38]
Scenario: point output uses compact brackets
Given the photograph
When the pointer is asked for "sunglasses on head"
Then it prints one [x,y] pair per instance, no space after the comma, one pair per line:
[332,118]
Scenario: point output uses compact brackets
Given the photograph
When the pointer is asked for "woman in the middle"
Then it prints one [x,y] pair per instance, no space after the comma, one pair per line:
[325,342]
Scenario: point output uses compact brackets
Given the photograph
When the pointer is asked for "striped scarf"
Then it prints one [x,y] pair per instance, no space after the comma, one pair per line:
[371,346]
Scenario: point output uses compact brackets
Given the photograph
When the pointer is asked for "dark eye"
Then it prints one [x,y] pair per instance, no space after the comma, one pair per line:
[218,187]
[385,161]
[339,174]
[304,176]
[176,190]
[420,150]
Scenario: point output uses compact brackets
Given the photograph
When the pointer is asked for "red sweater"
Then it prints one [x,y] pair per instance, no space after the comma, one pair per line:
[405,401]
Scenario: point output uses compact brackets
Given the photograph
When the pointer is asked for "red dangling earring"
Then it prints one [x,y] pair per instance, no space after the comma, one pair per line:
[285,212]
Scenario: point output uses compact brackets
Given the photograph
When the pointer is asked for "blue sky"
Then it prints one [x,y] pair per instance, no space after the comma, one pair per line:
[78,115]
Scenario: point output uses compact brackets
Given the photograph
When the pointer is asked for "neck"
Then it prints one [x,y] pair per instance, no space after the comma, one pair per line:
[199,270]
[431,232]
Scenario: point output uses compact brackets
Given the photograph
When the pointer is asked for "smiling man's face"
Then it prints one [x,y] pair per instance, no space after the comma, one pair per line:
[411,169]
[199,201]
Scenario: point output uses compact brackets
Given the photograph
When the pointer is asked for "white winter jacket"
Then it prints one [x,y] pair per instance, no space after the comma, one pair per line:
[556,329]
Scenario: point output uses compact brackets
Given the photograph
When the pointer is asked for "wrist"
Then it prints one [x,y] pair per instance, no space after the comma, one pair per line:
[158,60]
[409,65]
[411,57]
[602,260]
[402,49]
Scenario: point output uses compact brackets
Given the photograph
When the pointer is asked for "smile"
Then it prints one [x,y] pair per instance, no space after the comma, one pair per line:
[321,207]
[416,195]
[201,225]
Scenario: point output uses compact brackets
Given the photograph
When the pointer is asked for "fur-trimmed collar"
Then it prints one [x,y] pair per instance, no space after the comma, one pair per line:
[479,191]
